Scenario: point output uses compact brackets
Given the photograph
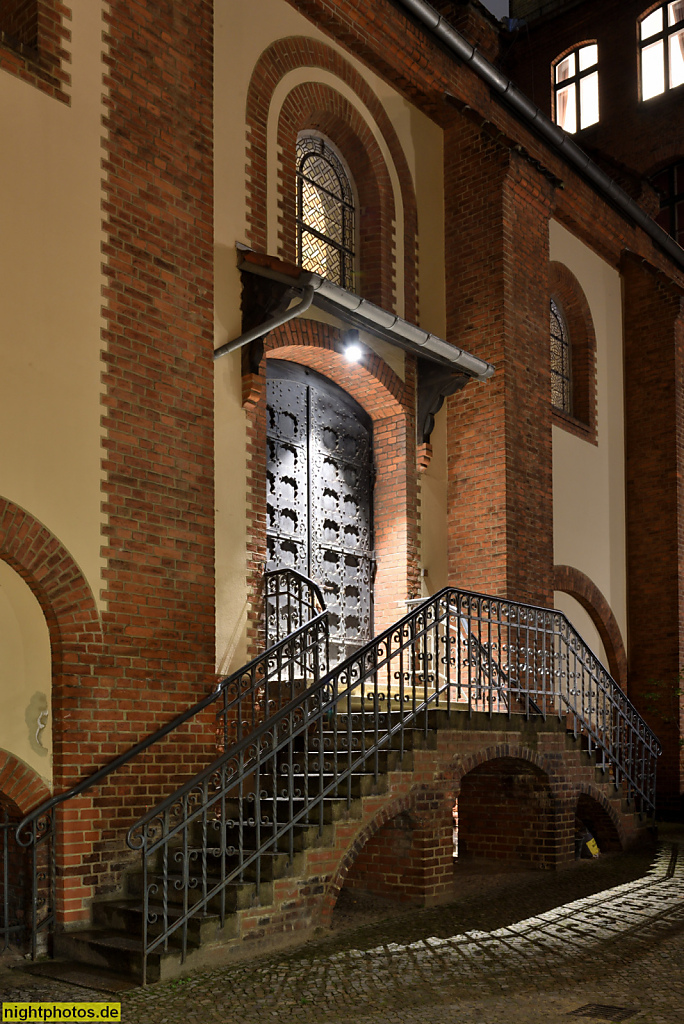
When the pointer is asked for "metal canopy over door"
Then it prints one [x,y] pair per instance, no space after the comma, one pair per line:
[319,495]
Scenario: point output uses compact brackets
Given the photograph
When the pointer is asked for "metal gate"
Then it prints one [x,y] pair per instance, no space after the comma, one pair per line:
[319,495]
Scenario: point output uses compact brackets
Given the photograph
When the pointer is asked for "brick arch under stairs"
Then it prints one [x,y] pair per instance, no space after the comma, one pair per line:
[424,787]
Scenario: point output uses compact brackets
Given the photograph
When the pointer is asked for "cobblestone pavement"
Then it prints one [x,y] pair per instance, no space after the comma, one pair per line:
[482,960]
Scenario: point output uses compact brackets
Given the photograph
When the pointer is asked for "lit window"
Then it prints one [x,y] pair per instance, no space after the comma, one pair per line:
[576,88]
[561,377]
[661,42]
[325,212]
[669,183]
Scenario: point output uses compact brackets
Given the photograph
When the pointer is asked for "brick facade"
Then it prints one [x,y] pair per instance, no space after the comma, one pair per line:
[654,423]
[500,519]
[152,652]
[121,673]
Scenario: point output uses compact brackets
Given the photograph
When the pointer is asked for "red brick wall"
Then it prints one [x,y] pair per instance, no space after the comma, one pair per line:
[410,858]
[500,526]
[155,653]
[32,44]
[505,812]
[654,459]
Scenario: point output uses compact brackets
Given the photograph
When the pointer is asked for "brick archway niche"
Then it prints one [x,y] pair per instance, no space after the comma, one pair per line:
[594,811]
[316,105]
[507,813]
[389,401]
[21,789]
[76,643]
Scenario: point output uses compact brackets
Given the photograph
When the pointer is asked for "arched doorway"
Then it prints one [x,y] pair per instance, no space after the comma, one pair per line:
[319,507]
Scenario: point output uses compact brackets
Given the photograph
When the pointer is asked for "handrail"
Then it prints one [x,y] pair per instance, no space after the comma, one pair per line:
[220,827]
[304,580]
[285,606]
[224,684]
[326,682]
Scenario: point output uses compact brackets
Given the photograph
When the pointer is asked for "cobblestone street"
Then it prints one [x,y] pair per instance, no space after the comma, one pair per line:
[619,943]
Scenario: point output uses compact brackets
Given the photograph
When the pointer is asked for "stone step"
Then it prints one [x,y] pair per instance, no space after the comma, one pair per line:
[114,951]
[304,836]
[126,917]
[330,809]
[273,863]
[237,895]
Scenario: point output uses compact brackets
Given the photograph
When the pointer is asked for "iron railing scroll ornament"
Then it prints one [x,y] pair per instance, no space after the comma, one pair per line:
[31,846]
[456,651]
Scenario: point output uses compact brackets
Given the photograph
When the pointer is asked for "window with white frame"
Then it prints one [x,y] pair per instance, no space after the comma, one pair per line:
[325,211]
[576,90]
[661,47]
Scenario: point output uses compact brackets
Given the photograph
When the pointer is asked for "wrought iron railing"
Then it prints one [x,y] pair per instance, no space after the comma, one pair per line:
[456,651]
[290,600]
[243,700]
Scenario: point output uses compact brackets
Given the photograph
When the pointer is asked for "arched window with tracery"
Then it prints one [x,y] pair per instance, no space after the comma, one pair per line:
[325,211]
[561,362]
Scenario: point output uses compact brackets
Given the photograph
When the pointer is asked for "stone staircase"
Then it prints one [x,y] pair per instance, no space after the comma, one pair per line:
[261,909]
[254,849]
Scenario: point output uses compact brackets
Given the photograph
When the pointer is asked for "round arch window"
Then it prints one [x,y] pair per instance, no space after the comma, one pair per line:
[325,211]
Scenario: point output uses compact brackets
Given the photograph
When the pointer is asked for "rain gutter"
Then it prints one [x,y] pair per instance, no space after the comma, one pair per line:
[559,139]
[269,325]
[360,313]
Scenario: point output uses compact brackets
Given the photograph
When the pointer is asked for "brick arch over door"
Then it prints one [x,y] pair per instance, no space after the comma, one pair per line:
[320,106]
[390,402]
[67,603]
[569,580]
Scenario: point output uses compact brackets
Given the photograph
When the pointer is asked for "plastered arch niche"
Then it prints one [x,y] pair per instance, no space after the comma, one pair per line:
[25,675]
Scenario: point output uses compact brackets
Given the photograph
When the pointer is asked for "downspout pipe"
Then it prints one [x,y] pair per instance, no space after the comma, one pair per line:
[552,133]
[269,325]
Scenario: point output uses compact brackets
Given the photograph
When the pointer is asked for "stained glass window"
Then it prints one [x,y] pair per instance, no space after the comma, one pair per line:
[325,212]
[561,375]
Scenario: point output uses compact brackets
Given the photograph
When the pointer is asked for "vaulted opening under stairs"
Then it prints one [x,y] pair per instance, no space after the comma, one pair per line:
[327,780]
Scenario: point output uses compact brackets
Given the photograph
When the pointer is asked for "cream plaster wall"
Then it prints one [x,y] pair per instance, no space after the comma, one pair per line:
[50,297]
[588,481]
[240,38]
[25,676]
[582,623]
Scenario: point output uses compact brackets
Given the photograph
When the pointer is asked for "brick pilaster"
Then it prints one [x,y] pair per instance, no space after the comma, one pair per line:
[500,525]
[654,455]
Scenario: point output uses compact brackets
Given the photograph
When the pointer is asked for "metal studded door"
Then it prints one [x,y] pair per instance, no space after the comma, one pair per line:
[319,495]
